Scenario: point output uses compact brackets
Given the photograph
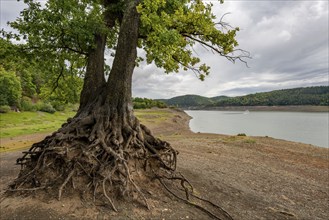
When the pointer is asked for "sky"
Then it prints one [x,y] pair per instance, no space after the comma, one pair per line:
[287,40]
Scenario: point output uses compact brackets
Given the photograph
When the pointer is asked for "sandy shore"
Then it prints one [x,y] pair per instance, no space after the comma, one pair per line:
[250,177]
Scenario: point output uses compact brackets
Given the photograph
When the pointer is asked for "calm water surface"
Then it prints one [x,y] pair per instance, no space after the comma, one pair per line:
[305,127]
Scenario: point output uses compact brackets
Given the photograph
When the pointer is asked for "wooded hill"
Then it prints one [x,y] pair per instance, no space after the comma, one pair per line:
[318,95]
[192,100]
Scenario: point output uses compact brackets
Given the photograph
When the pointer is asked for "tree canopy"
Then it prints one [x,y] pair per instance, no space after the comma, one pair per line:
[36,81]
[62,32]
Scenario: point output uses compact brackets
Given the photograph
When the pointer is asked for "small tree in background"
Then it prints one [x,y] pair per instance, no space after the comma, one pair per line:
[10,89]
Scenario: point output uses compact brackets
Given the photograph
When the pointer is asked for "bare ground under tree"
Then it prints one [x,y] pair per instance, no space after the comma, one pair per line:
[250,177]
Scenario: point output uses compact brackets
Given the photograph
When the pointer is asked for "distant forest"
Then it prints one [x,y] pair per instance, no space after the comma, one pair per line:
[28,86]
[143,103]
[318,95]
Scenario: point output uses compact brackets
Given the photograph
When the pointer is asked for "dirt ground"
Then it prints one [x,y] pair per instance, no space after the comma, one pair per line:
[250,177]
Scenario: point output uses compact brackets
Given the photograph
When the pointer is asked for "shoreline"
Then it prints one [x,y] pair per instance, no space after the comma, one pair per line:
[21,142]
[288,108]
[303,127]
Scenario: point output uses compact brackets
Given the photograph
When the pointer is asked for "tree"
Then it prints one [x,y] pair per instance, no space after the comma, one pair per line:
[104,140]
[38,82]
[10,88]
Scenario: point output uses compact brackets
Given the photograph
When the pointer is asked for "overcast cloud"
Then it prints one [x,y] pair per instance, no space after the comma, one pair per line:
[288,42]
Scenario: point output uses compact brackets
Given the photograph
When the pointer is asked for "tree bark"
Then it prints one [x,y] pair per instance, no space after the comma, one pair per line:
[118,88]
[104,140]
[94,79]
[103,151]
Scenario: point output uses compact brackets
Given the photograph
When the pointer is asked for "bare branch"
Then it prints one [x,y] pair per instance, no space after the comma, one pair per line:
[233,59]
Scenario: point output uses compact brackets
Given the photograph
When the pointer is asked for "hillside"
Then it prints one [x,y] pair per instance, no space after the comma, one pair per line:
[188,100]
[318,96]
[299,96]
[219,98]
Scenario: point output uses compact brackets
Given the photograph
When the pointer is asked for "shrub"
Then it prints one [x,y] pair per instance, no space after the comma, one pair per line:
[10,88]
[46,107]
[28,105]
[59,106]
[4,108]
[242,134]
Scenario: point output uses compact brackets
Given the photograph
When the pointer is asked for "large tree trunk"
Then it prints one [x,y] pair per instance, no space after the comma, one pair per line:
[95,152]
[104,141]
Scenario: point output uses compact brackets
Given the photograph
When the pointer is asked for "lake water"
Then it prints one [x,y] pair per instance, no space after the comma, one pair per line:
[305,127]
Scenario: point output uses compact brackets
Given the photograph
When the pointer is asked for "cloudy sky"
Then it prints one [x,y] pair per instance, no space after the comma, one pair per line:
[288,42]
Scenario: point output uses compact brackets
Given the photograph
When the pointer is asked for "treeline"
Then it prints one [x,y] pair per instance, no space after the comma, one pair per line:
[143,103]
[318,95]
[192,100]
[26,85]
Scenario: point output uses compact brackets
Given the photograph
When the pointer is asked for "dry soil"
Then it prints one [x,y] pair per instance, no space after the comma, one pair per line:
[249,177]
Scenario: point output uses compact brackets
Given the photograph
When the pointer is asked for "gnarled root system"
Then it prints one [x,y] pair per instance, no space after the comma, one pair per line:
[105,158]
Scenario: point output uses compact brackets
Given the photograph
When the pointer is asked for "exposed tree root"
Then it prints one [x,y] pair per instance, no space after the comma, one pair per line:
[189,192]
[105,157]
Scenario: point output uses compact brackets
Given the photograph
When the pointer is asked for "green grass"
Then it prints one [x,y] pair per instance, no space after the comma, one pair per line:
[151,115]
[14,124]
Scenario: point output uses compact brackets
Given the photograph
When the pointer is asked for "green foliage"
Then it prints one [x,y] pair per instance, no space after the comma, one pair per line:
[59,106]
[188,100]
[28,105]
[57,39]
[51,84]
[4,108]
[241,135]
[171,29]
[143,103]
[65,26]
[10,88]
[299,96]
[66,89]
[12,59]
[219,98]
[45,107]
[61,34]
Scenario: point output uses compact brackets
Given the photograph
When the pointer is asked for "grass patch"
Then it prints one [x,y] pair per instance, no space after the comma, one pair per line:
[152,115]
[14,124]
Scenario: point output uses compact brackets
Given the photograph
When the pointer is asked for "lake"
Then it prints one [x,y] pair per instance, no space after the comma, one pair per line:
[305,127]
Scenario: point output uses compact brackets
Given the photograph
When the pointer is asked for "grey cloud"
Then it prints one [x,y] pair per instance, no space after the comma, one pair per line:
[288,41]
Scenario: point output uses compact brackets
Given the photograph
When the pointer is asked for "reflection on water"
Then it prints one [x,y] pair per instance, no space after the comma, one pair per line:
[305,127]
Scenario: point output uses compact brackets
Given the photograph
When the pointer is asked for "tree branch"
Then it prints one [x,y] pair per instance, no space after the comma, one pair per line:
[244,54]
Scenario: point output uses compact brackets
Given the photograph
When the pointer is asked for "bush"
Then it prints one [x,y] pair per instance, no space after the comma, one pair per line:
[28,105]
[10,88]
[4,108]
[59,106]
[242,135]
[46,107]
